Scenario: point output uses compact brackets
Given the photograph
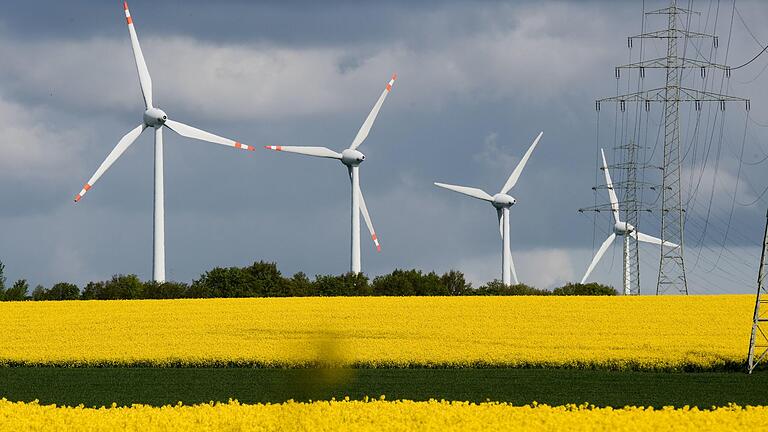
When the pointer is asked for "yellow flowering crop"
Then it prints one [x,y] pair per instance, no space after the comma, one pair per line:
[648,332]
[376,416]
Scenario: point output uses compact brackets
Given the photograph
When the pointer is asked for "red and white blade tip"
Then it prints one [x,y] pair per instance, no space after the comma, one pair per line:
[128,18]
[278,148]
[85,189]
[244,146]
[376,242]
[391,82]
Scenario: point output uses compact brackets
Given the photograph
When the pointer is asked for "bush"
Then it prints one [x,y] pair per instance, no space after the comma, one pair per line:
[18,291]
[590,289]
[222,282]
[266,280]
[119,287]
[38,293]
[91,290]
[455,283]
[63,291]
[497,288]
[261,279]
[299,285]
[349,284]
[409,283]
[164,290]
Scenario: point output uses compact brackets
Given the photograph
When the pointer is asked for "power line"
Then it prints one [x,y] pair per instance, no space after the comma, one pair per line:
[764,48]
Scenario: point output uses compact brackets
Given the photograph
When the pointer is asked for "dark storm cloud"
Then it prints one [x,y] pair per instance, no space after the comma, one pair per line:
[304,23]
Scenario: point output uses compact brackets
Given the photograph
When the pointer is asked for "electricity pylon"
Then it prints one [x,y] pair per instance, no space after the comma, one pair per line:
[629,210]
[758,342]
[671,265]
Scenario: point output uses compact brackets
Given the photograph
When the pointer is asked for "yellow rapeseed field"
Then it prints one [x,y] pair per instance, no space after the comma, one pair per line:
[376,416]
[608,332]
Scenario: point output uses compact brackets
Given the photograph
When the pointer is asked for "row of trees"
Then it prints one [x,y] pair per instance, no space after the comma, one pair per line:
[263,279]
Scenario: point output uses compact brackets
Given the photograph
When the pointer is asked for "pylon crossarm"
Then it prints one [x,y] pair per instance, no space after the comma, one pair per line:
[684,63]
[664,34]
[672,10]
[686,95]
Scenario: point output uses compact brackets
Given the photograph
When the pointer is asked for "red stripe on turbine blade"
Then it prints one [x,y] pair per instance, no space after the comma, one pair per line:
[238,145]
[87,186]
[129,20]
[389,87]
[373,236]
[77,197]
[251,148]
[125,5]
[378,248]
[394,76]
[279,148]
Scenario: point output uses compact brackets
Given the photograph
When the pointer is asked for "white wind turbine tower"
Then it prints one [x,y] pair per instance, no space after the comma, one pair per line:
[502,202]
[623,229]
[352,158]
[154,118]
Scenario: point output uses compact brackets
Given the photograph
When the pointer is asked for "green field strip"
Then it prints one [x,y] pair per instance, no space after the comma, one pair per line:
[160,386]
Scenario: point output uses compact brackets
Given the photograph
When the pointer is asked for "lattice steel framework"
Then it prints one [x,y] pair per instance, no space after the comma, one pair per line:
[671,264]
[631,205]
[758,342]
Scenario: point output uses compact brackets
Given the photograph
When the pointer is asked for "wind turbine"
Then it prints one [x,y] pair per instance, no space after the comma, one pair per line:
[502,202]
[154,118]
[352,158]
[623,229]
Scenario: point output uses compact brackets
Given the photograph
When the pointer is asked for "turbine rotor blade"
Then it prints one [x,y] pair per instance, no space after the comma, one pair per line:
[473,192]
[362,134]
[598,255]
[519,169]
[499,213]
[141,66]
[651,239]
[310,151]
[512,268]
[195,133]
[611,192]
[116,152]
[367,217]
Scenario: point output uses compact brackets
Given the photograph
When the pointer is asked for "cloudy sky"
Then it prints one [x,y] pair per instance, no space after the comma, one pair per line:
[477,82]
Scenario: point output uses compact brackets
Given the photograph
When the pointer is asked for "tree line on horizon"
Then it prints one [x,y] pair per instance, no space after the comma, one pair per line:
[263,279]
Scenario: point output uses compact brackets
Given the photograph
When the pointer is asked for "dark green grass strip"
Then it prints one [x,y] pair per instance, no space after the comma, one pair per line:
[159,386]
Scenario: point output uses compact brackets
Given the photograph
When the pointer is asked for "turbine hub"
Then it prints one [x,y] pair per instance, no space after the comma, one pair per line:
[501,200]
[623,228]
[351,157]
[154,117]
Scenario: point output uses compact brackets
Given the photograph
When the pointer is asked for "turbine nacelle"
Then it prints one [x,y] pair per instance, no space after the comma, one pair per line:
[352,158]
[623,228]
[155,117]
[501,200]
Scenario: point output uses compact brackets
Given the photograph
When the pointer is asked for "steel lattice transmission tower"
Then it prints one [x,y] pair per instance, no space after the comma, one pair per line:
[629,210]
[671,265]
[758,342]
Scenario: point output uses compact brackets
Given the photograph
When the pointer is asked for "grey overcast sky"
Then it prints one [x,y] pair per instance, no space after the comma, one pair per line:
[477,81]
